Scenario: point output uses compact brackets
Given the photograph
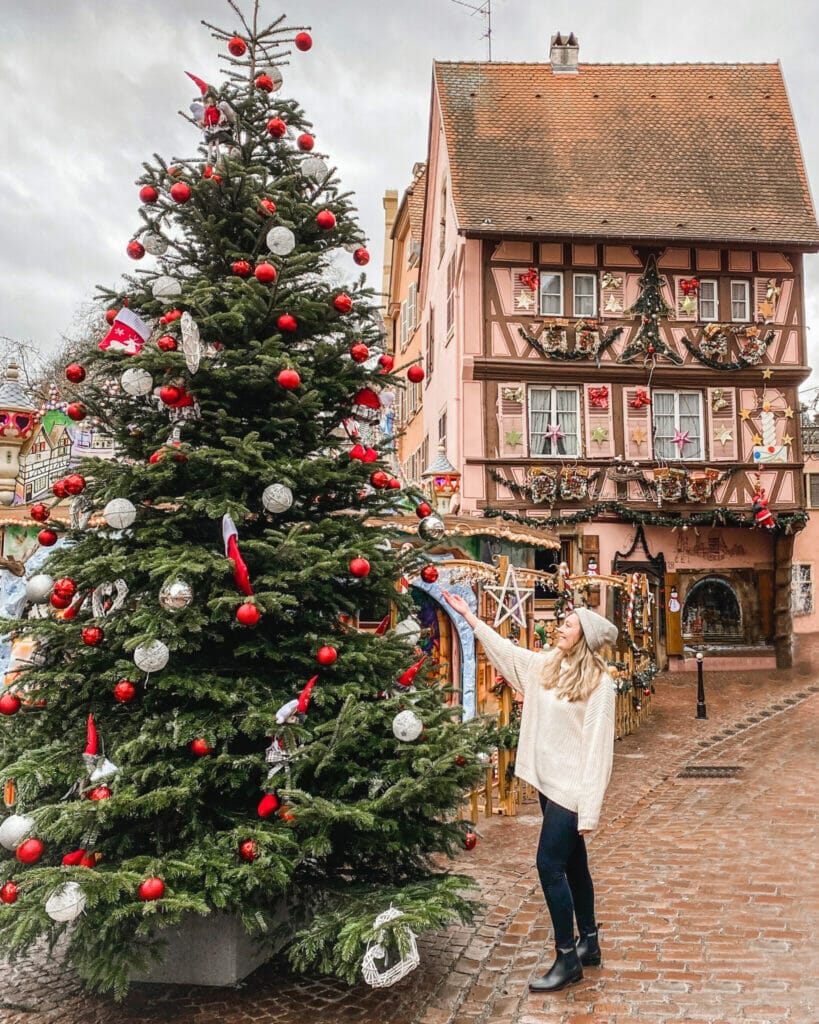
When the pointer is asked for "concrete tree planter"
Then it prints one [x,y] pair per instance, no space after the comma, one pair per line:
[212,950]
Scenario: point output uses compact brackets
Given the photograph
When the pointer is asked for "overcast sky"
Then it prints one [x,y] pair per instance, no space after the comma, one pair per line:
[91,88]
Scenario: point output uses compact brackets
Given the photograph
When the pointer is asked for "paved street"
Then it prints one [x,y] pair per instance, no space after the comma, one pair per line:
[707,895]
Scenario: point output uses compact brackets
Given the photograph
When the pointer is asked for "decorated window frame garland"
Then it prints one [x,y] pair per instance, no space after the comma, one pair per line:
[556,344]
[714,345]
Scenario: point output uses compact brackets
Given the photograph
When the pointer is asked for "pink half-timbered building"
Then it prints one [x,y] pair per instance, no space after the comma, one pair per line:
[611,293]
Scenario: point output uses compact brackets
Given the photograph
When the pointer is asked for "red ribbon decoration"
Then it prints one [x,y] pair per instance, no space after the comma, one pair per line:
[690,284]
[599,397]
[530,278]
[640,399]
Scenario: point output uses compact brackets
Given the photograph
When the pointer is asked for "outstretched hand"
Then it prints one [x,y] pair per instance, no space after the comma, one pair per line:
[456,603]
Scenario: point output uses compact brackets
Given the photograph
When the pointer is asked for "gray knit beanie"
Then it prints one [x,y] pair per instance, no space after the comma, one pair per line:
[597,630]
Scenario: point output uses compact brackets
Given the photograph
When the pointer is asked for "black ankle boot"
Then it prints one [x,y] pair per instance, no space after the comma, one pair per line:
[566,970]
[588,950]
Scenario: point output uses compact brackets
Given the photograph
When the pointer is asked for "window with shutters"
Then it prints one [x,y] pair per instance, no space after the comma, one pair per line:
[429,344]
[442,429]
[404,334]
[554,421]
[740,301]
[450,298]
[709,301]
[677,414]
[412,308]
[584,295]
[551,294]
[801,589]
[813,490]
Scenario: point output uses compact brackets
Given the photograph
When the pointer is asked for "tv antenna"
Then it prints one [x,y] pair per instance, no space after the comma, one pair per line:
[484,10]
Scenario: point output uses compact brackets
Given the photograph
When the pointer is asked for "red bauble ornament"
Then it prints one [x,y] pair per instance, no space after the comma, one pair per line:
[268,207]
[248,614]
[30,851]
[180,192]
[124,691]
[289,379]
[423,509]
[267,805]
[241,268]
[237,46]
[111,315]
[386,363]
[361,257]
[248,850]
[58,489]
[73,859]
[429,574]
[303,41]
[65,587]
[470,840]
[360,567]
[75,373]
[265,272]
[305,141]
[415,374]
[343,303]
[10,704]
[92,635]
[60,603]
[40,512]
[170,394]
[135,249]
[170,316]
[148,194]
[48,538]
[74,484]
[156,457]
[167,343]
[357,452]
[326,655]
[201,748]
[460,760]
[394,483]
[265,83]
[152,889]
[99,793]
[379,479]
[8,893]
[76,411]
[360,353]
[277,127]
[288,323]
[326,219]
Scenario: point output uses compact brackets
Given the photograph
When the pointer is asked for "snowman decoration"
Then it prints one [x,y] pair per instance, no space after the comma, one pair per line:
[673,601]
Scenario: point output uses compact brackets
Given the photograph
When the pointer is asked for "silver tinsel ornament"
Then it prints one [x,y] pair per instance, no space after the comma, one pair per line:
[119,513]
[38,588]
[175,595]
[277,498]
[280,240]
[136,382]
[407,726]
[151,657]
[431,528]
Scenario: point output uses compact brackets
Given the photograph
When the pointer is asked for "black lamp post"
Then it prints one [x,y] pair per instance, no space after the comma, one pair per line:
[701,712]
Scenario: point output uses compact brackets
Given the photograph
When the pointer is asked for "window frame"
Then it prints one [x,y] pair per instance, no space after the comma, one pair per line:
[746,284]
[799,581]
[553,453]
[442,418]
[412,307]
[715,317]
[559,276]
[575,311]
[450,298]
[808,478]
[657,442]
[429,346]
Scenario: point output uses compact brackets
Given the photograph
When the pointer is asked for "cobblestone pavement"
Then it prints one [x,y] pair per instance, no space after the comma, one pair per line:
[707,895]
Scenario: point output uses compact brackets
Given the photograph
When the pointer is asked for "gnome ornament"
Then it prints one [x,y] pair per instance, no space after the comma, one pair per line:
[216,119]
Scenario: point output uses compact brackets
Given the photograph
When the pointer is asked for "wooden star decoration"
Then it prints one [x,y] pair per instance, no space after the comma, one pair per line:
[638,436]
[510,598]
[524,300]
[745,413]
[724,436]
[787,439]
[766,310]
[767,373]
[600,434]
[756,439]
[513,438]
[788,413]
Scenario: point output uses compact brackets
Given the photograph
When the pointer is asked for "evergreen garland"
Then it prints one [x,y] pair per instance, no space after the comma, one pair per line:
[714,364]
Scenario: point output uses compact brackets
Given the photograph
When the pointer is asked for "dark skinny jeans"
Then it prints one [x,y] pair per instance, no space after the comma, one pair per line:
[564,874]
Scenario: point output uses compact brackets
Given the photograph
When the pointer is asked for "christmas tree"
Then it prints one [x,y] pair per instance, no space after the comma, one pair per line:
[203,728]
[650,307]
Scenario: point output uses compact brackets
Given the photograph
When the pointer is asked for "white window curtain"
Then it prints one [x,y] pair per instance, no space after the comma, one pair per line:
[662,405]
[551,294]
[540,411]
[585,295]
[549,407]
[566,416]
[690,422]
[672,412]
[709,307]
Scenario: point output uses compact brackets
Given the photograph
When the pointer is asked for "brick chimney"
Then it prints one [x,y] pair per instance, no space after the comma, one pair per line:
[563,54]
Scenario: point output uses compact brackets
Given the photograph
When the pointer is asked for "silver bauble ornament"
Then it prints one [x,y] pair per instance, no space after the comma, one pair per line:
[120,513]
[277,498]
[409,629]
[315,168]
[431,528]
[155,245]
[136,382]
[14,830]
[66,903]
[407,726]
[483,758]
[175,595]
[166,288]
[280,240]
[151,657]
[38,588]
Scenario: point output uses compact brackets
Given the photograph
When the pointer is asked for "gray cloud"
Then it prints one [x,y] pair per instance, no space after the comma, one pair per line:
[91,90]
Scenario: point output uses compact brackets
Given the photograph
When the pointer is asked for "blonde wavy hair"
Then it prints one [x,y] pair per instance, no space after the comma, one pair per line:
[574,674]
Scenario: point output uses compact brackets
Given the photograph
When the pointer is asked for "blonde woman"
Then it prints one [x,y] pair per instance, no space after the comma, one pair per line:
[565,751]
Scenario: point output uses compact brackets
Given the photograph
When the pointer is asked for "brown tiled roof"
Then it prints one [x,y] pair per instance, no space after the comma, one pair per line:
[684,151]
[416,194]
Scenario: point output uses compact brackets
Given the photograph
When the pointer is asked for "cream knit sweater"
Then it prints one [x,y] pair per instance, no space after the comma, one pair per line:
[566,748]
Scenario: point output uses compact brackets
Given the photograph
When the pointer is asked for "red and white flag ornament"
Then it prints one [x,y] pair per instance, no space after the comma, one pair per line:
[128,333]
[231,538]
